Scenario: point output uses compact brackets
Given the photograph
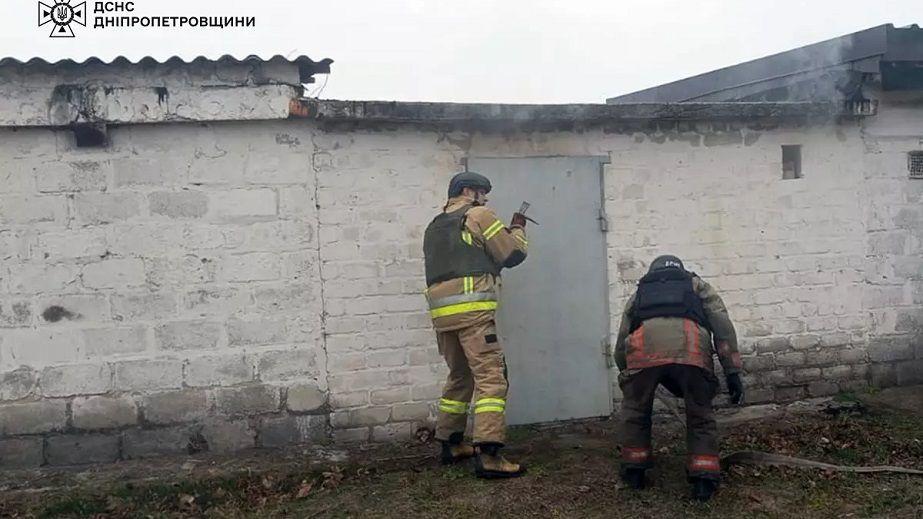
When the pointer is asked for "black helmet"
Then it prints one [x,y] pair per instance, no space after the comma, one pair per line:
[468,179]
[666,262]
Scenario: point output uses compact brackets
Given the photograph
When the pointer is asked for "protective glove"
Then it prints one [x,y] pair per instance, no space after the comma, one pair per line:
[735,388]
[519,220]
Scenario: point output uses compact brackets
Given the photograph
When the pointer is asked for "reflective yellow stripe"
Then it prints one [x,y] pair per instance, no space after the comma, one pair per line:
[490,405]
[521,239]
[493,229]
[461,298]
[462,308]
[452,402]
[466,237]
[468,283]
[452,406]
[495,401]
[489,409]
[452,410]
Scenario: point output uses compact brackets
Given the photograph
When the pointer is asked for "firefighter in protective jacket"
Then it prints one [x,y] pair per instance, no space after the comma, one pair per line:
[671,327]
[465,247]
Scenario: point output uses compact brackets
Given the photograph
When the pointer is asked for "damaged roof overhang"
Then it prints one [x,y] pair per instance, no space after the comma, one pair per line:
[307,67]
[566,115]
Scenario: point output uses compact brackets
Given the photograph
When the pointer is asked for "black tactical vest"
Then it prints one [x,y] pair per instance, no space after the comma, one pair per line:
[667,293]
[447,255]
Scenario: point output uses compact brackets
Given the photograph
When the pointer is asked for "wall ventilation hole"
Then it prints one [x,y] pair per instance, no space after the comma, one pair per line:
[90,136]
[915,164]
[791,161]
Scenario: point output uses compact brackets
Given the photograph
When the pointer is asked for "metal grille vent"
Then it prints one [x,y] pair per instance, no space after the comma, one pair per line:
[915,164]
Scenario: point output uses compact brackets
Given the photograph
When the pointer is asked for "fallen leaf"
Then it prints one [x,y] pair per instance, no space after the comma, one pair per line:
[332,478]
[303,490]
[186,502]
[424,435]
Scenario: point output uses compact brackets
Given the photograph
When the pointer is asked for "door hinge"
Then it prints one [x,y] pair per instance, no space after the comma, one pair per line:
[603,220]
[607,352]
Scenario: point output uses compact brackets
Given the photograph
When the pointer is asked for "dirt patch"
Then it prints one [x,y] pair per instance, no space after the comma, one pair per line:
[572,473]
[906,399]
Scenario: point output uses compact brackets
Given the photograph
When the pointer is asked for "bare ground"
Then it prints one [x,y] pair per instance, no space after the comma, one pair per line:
[572,473]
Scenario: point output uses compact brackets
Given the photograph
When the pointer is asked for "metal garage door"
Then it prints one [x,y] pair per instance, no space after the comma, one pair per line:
[554,315]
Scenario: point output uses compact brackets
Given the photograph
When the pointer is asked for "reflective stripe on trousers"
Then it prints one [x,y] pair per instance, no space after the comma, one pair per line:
[490,405]
[452,406]
[704,463]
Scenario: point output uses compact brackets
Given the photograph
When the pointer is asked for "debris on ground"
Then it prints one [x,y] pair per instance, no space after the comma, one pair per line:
[572,473]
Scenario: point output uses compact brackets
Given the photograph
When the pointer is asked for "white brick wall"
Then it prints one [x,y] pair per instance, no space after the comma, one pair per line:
[204,271]
[786,255]
[173,269]
[894,242]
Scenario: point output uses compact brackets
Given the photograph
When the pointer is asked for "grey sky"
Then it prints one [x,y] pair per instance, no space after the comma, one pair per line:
[517,51]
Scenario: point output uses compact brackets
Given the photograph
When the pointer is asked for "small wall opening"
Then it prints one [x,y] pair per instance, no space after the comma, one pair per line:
[915,164]
[791,161]
[90,136]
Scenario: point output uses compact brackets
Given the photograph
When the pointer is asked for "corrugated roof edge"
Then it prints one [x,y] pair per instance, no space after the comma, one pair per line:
[307,67]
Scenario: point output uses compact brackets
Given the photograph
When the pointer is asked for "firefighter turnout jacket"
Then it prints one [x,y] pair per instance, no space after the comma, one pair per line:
[466,247]
[675,317]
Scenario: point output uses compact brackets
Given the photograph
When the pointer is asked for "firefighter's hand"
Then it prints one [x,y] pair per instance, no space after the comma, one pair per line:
[735,388]
[519,220]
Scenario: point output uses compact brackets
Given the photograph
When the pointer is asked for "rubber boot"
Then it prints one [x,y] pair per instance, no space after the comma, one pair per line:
[633,477]
[490,464]
[703,489]
[455,449]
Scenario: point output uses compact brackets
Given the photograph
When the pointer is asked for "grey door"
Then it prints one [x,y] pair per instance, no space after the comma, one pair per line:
[554,317]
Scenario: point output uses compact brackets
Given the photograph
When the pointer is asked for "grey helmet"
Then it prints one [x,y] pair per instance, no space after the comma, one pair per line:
[468,179]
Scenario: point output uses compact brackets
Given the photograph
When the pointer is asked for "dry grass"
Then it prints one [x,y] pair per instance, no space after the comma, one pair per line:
[572,473]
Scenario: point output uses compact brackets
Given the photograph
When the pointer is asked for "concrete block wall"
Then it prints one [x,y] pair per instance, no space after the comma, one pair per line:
[377,191]
[159,295]
[894,245]
[787,256]
[229,285]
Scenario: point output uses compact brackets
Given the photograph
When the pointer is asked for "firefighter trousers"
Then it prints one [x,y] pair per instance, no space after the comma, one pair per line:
[697,387]
[477,375]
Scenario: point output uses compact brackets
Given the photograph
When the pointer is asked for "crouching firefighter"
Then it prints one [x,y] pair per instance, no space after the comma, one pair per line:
[465,247]
[671,327]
